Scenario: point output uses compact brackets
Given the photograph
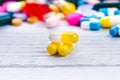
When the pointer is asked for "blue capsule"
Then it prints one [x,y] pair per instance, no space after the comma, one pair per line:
[90,25]
[114,31]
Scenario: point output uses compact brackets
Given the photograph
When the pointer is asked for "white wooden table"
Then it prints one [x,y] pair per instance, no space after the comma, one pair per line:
[23,49]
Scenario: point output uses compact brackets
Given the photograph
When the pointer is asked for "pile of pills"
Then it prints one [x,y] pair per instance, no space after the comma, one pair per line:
[62,44]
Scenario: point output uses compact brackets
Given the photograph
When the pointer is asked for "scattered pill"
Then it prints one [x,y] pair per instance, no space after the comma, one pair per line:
[32,19]
[109,21]
[16,21]
[65,37]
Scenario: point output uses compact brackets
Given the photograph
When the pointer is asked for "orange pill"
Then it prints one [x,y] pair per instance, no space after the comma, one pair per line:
[54,8]
[16,21]
[32,19]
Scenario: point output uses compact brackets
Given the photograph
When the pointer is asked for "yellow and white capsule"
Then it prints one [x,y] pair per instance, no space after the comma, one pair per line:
[65,37]
[109,21]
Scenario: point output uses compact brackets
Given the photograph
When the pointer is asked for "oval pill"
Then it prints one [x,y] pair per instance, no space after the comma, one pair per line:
[32,19]
[16,21]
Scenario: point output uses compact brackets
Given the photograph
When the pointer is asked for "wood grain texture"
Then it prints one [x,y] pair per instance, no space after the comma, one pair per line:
[25,46]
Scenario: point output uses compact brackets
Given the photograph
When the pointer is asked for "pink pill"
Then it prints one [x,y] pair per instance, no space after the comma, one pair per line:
[2,9]
[52,21]
[4,5]
[74,18]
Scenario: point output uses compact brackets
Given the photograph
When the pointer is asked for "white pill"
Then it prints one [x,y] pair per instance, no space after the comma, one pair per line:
[14,7]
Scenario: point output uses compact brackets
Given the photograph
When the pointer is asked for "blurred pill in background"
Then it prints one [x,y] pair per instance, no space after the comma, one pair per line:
[22,16]
[16,21]
[74,18]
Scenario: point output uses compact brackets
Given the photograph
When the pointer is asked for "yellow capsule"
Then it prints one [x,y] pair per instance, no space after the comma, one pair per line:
[68,8]
[54,8]
[65,37]
[105,21]
[65,49]
[52,48]
[65,7]
[69,37]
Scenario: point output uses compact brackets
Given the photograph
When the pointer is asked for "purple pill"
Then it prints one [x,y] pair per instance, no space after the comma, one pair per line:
[22,16]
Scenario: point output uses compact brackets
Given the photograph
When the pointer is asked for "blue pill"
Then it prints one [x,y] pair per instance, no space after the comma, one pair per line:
[114,31]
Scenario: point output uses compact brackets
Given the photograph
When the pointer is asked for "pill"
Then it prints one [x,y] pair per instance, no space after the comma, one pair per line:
[22,3]
[108,11]
[65,7]
[74,18]
[115,31]
[52,21]
[61,15]
[97,15]
[52,48]
[89,19]
[20,15]
[65,49]
[16,21]
[48,15]
[117,12]
[4,5]
[14,7]
[91,25]
[2,9]
[32,19]
[5,18]
[109,21]
[54,8]
[65,37]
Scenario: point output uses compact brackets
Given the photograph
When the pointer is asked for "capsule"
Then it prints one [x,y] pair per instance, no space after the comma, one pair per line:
[117,12]
[14,7]
[65,37]
[115,31]
[62,49]
[65,7]
[89,25]
[65,49]
[109,21]
[89,19]
[52,48]
[97,15]
[5,18]
[108,11]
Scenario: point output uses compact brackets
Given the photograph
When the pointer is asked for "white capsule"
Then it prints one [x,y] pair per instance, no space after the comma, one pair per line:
[14,7]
